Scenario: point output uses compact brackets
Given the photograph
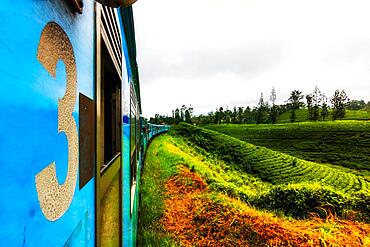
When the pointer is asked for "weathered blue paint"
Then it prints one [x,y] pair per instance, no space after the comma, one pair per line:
[29,138]
[128,220]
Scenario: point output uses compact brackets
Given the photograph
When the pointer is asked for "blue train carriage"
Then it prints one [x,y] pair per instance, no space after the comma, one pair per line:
[144,140]
[69,124]
[149,131]
[155,129]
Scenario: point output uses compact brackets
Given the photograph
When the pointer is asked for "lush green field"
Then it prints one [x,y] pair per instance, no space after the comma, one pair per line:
[342,143]
[317,184]
[302,116]
[255,176]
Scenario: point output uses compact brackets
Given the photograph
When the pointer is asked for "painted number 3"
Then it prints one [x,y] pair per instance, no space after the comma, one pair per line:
[56,198]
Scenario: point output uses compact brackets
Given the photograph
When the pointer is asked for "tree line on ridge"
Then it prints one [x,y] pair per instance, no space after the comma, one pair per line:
[319,108]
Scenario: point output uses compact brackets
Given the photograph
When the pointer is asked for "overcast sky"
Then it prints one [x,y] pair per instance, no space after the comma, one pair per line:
[211,53]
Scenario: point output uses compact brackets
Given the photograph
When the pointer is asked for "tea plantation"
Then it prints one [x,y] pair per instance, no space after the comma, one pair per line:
[302,115]
[342,143]
[296,186]
[203,188]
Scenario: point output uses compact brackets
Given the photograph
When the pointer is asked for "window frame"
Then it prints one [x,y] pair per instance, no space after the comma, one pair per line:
[134,143]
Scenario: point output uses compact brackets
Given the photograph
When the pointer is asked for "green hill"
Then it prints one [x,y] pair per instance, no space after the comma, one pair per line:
[281,182]
[343,143]
[302,115]
[200,187]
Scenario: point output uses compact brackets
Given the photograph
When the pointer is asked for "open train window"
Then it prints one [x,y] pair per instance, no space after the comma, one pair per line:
[111,107]
[108,180]
[134,152]
[109,86]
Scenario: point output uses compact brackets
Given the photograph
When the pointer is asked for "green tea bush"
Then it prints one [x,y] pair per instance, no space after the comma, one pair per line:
[341,143]
[293,186]
[361,203]
[299,200]
[270,166]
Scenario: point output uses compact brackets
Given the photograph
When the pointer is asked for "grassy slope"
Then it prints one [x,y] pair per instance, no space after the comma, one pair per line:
[157,170]
[169,151]
[299,186]
[343,143]
[303,113]
[199,217]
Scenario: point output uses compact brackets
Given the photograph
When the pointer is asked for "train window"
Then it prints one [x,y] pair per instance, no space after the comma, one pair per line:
[133,134]
[110,107]
[108,118]
[133,147]
[138,132]
[109,69]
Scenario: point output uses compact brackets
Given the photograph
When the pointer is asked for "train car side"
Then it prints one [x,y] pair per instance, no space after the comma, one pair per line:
[47,61]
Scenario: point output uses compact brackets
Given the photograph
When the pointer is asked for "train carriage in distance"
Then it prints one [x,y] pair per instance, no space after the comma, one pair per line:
[71,135]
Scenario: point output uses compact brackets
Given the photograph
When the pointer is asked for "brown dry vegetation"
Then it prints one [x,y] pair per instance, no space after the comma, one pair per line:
[197,217]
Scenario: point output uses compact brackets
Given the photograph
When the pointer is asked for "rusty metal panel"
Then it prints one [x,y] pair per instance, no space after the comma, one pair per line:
[87,139]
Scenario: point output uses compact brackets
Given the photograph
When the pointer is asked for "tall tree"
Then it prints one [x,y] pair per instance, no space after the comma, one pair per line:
[191,110]
[274,114]
[273,110]
[210,118]
[324,107]
[309,106]
[234,116]
[295,99]
[240,115]
[182,112]
[295,103]
[187,116]
[177,116]
[273,96]
[217,117]
[228,116]
[248,118]
[262,112]
[316,100]
[339,101]
[221,115]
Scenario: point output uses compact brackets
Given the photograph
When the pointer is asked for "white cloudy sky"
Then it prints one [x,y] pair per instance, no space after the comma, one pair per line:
[212,53]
